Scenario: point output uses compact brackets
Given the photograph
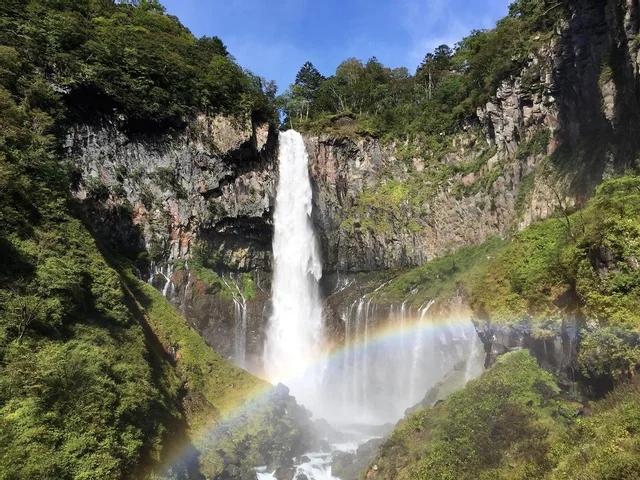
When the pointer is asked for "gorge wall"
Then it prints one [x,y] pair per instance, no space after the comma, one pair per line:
[195,207]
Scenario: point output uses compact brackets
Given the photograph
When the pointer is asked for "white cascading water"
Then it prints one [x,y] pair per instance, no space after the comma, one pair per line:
[381,377]
[373,382]
[294,336]
[240,317]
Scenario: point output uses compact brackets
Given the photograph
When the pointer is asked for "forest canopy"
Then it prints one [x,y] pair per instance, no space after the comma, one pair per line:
[441,95]
[126,57]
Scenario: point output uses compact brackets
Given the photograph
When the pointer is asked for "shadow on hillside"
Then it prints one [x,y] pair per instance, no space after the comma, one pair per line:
[179,456]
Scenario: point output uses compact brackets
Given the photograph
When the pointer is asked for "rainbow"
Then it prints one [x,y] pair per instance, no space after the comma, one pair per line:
[388,335]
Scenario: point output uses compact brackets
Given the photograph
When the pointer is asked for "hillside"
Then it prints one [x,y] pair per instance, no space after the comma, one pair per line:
[513,422]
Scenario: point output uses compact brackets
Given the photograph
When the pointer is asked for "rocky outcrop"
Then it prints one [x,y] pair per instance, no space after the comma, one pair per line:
[365,228]
[542,143]
[214,181]
[234,325]
[555,348]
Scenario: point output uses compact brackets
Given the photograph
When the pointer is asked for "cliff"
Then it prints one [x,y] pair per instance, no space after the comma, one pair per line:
[543,143]
[213,180]
[194,207]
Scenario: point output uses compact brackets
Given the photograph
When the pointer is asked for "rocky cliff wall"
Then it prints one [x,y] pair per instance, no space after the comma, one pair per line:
[214,181]
[193,209]
[541,144]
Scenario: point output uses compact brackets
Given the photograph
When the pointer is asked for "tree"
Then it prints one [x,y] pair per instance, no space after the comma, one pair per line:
[308,80]
[208,47]
[270,89]
[433,67]
[293,103]
[148,5]
[348,76]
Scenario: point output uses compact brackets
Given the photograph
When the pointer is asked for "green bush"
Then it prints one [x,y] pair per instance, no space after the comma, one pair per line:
[499,426]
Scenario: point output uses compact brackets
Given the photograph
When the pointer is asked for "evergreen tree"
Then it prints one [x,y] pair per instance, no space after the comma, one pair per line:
[308,80]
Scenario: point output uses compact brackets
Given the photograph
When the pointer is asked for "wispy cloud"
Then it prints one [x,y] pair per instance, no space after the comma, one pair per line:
[431,23]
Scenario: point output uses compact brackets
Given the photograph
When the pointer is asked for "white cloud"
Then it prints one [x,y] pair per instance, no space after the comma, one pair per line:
[431,23]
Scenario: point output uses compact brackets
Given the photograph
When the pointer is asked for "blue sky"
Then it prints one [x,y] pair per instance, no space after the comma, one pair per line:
[274,38]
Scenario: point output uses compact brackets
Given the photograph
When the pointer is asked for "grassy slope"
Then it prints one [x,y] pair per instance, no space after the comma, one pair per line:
[98,395]
[439,277]
[511,423]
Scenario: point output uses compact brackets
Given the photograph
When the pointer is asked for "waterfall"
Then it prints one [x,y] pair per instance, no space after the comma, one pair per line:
[240,320]
[418,351]
[393,354]
[241,331]
[294,334]
[165,273]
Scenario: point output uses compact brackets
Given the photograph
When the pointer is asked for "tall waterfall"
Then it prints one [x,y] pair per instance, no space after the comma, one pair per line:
[294,335]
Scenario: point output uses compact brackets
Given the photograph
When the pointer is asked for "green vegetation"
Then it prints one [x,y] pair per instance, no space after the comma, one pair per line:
[512,423]
[525,191]
[99,376]
[126,57]
[593,252]
[605,444]
[81,395]
[442,94]
[499,426]
[439,277]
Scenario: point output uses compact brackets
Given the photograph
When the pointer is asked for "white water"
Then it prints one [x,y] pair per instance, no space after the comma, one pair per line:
[377,381]
[294,335]
[165,273]
[317,468]
[240,320]
[374,381]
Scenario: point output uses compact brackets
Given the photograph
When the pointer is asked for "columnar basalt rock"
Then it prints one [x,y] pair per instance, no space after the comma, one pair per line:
[214,180]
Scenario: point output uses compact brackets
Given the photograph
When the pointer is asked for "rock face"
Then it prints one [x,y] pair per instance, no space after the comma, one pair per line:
[215,181]
[358,233]
[205,193]
[555,349]
[542,143]
[378,206]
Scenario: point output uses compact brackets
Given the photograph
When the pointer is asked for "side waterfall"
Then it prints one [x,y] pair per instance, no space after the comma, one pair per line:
[294,336]
[385,374]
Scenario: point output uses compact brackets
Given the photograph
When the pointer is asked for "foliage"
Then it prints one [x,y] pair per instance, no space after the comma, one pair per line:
[609,353]
[512,423]
[439,277]
[525,278]
[442,94]
[99,375]
[592,252]
[499,426]
[127,57]
[81,395]
[525,190]
[605,444]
